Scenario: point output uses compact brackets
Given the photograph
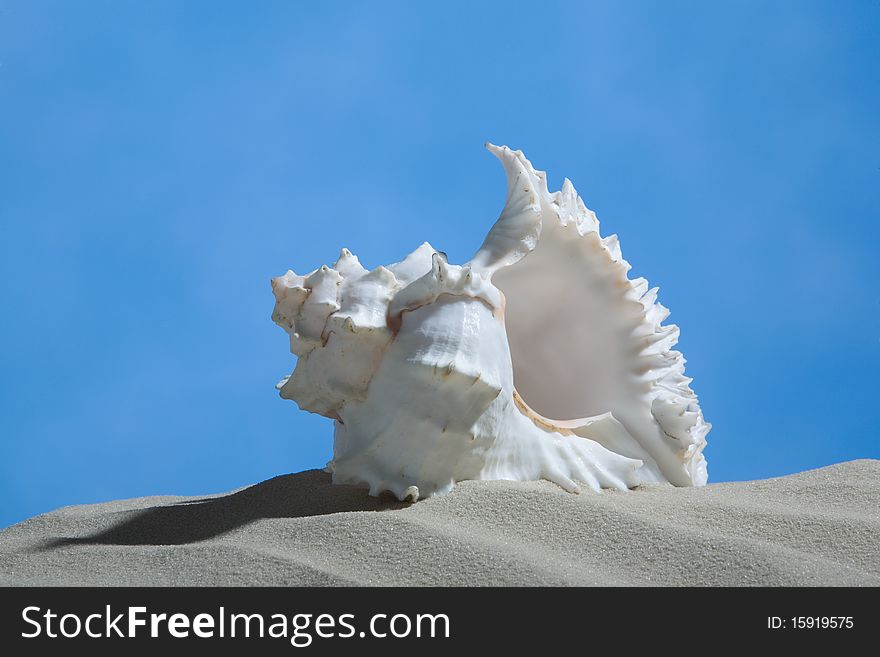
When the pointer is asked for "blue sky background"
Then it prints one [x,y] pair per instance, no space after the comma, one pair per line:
[160,161]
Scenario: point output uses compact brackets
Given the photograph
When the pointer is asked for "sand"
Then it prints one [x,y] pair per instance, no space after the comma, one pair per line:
[820,527]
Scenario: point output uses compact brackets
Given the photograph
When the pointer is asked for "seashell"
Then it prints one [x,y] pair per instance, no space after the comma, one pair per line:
[538,359]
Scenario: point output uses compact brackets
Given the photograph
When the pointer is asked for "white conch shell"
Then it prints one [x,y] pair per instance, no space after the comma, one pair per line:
[436,373]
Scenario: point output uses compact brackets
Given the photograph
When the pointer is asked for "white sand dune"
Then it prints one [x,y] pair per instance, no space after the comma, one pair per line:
[820,527]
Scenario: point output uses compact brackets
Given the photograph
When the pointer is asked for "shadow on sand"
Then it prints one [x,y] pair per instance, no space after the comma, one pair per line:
[300,495]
